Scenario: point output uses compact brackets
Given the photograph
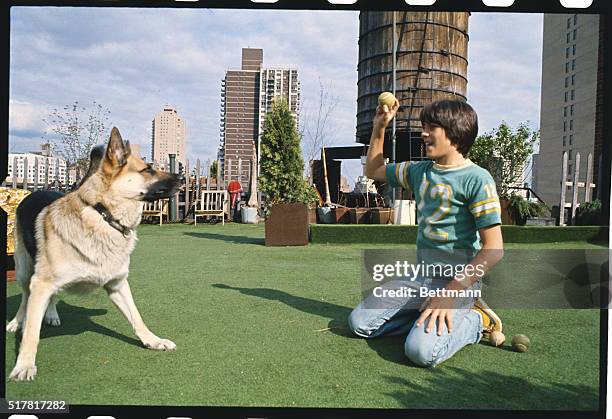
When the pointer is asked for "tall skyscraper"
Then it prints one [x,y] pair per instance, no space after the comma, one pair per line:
[169,136]
[246,96]
[571,105]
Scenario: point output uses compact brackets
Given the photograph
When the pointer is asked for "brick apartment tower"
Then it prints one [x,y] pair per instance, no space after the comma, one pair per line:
[571,117]
[169,136]
[240,117]
[246,97]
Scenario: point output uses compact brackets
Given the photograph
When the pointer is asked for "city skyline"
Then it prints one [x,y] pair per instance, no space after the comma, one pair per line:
[59,55]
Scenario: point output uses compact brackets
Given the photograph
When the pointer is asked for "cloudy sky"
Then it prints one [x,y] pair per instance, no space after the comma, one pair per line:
[135,61]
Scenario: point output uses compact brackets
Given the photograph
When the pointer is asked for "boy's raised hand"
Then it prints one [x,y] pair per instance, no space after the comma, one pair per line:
[384,115]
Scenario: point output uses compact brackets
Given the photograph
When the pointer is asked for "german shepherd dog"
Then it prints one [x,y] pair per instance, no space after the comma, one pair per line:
[83,240]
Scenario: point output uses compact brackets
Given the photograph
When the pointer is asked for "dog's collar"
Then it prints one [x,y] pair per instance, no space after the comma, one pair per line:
[112,221]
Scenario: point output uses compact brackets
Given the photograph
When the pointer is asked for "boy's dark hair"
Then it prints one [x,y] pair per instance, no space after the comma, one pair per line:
[458,119]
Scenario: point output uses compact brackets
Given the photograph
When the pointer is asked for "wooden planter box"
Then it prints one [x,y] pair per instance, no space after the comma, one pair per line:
[342,215]
[287,225]
[360,215]
[381,215]
[312,215]
[506,212]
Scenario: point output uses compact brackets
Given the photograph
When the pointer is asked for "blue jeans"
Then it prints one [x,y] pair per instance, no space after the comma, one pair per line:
[398,315]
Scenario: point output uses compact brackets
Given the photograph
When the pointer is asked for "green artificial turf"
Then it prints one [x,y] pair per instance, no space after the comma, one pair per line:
[260,326]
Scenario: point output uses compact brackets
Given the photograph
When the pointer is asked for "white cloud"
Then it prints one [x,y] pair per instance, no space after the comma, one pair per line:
[25,117]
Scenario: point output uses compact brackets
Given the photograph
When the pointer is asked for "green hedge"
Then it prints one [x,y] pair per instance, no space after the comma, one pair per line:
[397,234]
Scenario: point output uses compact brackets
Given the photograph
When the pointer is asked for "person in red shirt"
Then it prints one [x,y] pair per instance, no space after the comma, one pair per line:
[235,190]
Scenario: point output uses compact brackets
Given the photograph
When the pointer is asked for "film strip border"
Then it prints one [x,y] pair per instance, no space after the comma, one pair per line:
[603,7]
[508,6]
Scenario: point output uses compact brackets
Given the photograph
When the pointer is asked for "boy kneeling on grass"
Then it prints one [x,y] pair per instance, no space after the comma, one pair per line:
[458,207]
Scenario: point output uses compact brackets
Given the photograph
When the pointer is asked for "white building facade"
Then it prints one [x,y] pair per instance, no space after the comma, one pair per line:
[38,166]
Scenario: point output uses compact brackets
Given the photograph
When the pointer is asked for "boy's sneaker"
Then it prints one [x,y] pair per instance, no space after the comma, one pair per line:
[490,320]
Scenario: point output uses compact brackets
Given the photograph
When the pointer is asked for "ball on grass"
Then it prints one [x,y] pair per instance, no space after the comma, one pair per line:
[497,338]
[520,343]
[386,98]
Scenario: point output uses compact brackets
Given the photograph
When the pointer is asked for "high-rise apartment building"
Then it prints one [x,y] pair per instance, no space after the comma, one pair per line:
[36,167]
[169,136]
[279,83]
[246,96]
[240,117]
[571,105]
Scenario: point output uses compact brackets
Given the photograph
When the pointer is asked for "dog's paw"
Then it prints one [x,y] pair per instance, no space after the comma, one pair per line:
[52,320]
[23,373]
[161,345]
[13,326]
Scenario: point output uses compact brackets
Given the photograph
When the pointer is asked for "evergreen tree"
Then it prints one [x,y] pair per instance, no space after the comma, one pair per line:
[281,165]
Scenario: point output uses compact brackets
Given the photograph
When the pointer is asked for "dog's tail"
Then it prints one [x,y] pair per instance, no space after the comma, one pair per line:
[24,262]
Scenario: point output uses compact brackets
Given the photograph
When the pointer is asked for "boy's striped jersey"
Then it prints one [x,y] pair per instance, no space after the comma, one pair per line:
[453,202]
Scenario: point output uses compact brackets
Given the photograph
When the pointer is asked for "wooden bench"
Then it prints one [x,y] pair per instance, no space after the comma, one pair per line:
[211,204]
[157,208]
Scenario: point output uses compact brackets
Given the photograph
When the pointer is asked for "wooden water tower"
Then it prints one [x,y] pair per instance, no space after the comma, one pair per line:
[430,51]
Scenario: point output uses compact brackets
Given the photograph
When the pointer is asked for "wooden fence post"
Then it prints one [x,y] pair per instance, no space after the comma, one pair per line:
[25,173]
[575,187]
[15,160]
[563,188]
[187,189]
[589,180]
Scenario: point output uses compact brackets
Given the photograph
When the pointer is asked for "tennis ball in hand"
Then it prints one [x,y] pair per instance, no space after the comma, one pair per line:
[497,338]
[520,343]
[386,98]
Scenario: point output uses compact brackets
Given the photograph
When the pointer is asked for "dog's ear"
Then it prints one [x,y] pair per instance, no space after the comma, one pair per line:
[95,158]
[116,151]
[128,148]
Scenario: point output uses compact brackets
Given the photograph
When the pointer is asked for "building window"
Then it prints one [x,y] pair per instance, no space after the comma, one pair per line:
[567,67]
[571,139]
[573,94]
[564,138]
[565,111]
[573,64]
[564,126]
[568,37]
[575,20]
[574,35]
[573,79]
[574,49]
[569,154]
[572,110]
[566,82]
[565,96]
[569,22]
[567,50]
[571,125]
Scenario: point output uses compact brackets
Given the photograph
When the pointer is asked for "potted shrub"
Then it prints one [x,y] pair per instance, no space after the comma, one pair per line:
[286,194]
[589,214]
[522,209]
